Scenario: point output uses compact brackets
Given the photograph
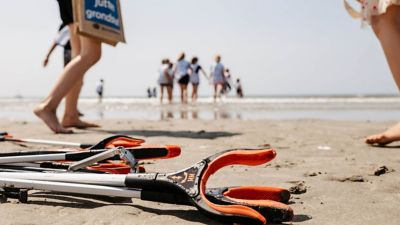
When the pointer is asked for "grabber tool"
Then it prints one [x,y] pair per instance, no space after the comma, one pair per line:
[111,142]
[133,148]
[244,205]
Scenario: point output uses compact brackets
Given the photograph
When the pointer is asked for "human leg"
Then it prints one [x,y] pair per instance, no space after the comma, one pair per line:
[194,92]
[387,29]
[161,93]
[73,73]
[169,91]
[91,53]
[183,88]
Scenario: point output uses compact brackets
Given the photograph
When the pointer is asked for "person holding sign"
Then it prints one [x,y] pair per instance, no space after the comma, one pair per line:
[86,52]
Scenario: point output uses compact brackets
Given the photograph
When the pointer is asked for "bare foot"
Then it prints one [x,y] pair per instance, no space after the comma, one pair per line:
[50,119]
[387,137]
[77,123]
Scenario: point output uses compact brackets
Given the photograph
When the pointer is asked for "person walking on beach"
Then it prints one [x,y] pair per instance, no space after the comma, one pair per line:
[228,81]
[384,17]
[165,80]
[182,71]
[86,52]
[218,77]
[100,90]
[239,89]
[62,40]
[195,77]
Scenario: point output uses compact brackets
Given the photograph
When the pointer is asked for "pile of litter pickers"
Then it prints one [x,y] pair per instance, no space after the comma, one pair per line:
[113,168]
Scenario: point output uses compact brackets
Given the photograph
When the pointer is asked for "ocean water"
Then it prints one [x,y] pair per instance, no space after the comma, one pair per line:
[370,108]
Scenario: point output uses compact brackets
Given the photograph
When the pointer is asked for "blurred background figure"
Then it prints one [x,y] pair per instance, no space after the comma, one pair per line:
[62,40]
[182,71]
[218,77]
[228,82]
[154,92]
[195,77]
[239,89]
[166,79]
[149,93]
[100,90]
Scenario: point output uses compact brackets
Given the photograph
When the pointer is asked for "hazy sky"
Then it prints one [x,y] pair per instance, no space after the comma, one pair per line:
[280,47]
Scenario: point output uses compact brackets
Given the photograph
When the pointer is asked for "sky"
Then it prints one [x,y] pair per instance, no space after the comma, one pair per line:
[285,47]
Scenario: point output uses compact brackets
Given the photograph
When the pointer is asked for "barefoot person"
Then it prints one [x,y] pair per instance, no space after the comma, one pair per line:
[85,53]
[165,79]
[218,76]
[182,71]
[100,90]
[62,39]
[384,17]
[195,77]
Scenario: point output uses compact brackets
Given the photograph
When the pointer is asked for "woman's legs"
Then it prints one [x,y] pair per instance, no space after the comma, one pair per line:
[161,93]
[72,74]
[90,51]
[194,92]
[217,91]
[183,93]
[387,29]
[169,91]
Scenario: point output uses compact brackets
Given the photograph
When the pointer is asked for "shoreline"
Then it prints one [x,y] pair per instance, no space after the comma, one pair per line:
[348,109]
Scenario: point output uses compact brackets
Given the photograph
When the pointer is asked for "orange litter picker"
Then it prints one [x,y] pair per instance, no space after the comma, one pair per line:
[244,205]
[60,158]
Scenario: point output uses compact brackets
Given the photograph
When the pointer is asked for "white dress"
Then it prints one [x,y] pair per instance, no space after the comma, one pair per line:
[370,8]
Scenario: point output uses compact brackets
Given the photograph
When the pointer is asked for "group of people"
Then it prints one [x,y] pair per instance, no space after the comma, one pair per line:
[382,15]
[185,73]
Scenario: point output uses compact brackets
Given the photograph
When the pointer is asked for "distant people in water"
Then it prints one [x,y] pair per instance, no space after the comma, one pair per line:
[182,71]
[154,92]
[239,89]
[100,90]
[218,77]
[166,79]
[228,80]
[149,93]
[195,77]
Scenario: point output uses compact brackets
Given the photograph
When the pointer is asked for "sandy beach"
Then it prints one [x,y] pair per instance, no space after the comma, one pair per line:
[330,157]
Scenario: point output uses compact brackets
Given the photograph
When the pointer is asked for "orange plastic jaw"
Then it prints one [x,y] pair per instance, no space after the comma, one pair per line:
[258,193]
[237,157]
[125,142]
[269,201]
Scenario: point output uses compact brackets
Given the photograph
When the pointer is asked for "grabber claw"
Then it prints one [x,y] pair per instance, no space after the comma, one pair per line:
[234,206]
[269,201]
[244,205]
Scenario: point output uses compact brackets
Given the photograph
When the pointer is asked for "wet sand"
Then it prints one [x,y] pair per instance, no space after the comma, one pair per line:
[329,157]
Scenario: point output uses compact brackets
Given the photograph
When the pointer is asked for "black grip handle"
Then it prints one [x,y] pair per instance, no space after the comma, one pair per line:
[85,145]
[165,197]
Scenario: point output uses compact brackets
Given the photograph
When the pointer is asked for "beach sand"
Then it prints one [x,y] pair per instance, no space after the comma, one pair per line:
[325,155]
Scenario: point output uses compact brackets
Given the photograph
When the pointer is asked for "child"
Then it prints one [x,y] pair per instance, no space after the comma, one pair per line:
[384,17]
[195,77]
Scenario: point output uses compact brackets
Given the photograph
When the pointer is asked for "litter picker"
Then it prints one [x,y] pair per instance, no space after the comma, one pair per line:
[246,205]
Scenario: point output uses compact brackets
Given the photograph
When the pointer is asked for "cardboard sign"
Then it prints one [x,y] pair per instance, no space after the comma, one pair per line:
[99,19]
